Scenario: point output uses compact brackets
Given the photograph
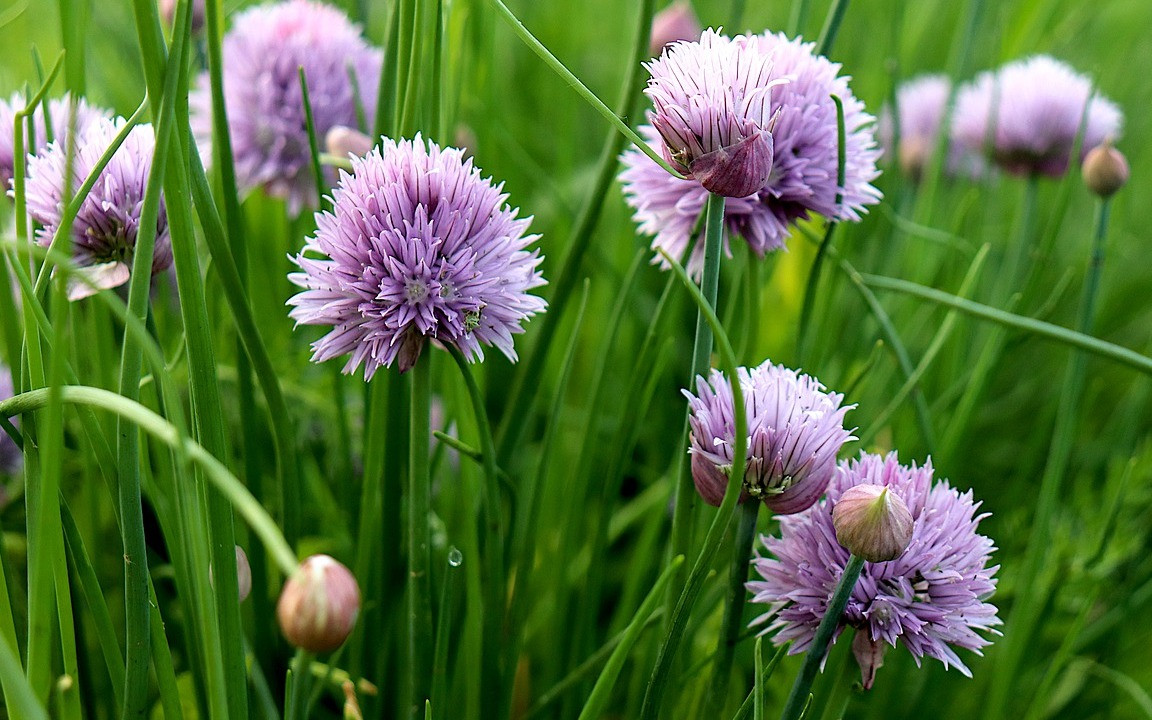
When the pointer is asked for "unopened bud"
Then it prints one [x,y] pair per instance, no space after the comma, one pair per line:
[319,605]
[243,575]
[168,13]
[872,522]
[674,23]
[1105,170]
[344,141]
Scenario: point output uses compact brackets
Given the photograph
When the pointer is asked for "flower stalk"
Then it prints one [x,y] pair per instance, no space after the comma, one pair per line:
[798,697]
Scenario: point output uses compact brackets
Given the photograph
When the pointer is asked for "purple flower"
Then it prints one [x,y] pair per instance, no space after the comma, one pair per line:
[804,168]
[262,55]
[60,111]
[10,456]
[1035,106]
[417,246]
[930,598]
[795,429]
[921,102]
[711,101]
[104,231]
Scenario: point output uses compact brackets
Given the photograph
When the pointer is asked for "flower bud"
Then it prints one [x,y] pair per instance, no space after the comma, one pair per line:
[872,523]
[674,23]
[243,574]
[1105,170]
[168,14]
[344,141]
[319,605]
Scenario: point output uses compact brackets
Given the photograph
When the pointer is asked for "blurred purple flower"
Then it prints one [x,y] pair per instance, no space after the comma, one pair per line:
[804,168]
[710,101]
[930,598]
[262,55]
[168,13]
[1036,105]
[10,456]
[921,102]
[104,231]
[417,246]
[60,111]
[672,24]
[795,429]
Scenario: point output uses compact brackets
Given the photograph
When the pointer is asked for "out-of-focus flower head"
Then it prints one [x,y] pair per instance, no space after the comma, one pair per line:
[931,598]
[262,55]
[1025,116]
[803,178]
[920,103]
[795,429]
[168,13]
[672,24]
[105,229]
[60,111]
[418,246]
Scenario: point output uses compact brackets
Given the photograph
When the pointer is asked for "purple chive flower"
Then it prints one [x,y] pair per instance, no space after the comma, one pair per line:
[168,13]
[930,598]
[1036,106]
[711,101]
[60,111]
[921,102]
[10,456]
[803,177]
[104,231]
[262,55]
[417,246]
[672,24]
[795,429]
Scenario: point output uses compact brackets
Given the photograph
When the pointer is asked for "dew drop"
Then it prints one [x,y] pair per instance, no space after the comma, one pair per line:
[455,557]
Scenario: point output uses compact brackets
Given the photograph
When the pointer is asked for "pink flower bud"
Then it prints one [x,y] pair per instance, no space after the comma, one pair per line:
[1105,169]
[243,574]
[319,605]
[344,141]
[872,522]
[672,24]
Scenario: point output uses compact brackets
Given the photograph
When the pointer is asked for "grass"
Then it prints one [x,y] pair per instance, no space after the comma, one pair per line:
[207,409]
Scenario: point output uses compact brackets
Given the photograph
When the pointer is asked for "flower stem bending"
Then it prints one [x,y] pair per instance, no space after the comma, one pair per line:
[798,698]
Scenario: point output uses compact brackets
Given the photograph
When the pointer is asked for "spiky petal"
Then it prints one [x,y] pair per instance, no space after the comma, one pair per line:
[63,124]
[931,598]
[795,429]
[803,180]
[418,246]
[105,229]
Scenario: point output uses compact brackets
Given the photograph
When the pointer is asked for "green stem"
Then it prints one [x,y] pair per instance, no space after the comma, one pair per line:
[494,596]
[159,428]
[527,381]
[798,698]
[657,683]
[296,705]
[831,26]
[682,513]
[419,539]
[581,89]
[1111,351]
[1026,615]
[733,621]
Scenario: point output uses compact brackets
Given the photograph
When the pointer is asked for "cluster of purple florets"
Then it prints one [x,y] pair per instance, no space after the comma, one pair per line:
[1025,117]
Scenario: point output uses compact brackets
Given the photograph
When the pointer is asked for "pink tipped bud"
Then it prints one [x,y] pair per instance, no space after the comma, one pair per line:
[869,656]
[168,14]
[344,141]
[243,574]
[319,605]
[872,522]
[1105,170]
[672,24]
